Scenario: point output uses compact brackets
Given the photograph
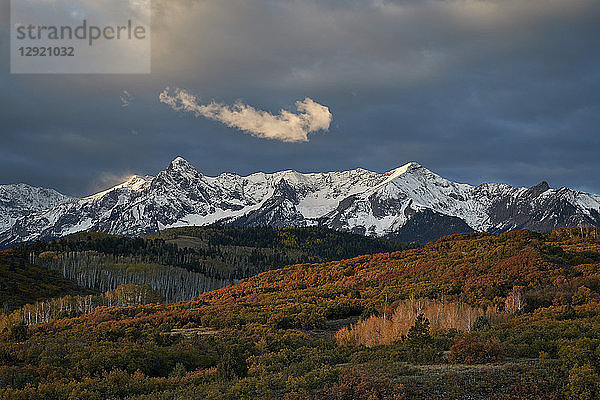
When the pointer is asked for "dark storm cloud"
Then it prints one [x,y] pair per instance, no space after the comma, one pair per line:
[476,90]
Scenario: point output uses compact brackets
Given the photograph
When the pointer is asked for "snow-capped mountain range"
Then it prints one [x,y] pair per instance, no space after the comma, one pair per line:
[409,203]
[20,199]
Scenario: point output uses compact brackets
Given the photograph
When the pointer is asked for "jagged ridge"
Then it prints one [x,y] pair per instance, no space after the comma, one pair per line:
[20,199]
[409,203]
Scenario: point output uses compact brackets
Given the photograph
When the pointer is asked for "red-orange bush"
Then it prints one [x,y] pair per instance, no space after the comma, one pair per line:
[472,350]
[354,386]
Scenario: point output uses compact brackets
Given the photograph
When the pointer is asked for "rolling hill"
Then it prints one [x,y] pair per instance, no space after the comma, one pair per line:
[503,316]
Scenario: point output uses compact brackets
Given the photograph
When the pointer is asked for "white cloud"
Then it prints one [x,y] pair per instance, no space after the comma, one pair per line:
[126,98]
[285,126]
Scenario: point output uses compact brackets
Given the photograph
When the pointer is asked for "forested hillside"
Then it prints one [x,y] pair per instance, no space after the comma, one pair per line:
[22,282]
[177,263]
[230,252]
[479,316]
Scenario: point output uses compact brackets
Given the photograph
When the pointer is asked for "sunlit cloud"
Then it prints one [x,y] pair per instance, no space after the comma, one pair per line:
[286,126]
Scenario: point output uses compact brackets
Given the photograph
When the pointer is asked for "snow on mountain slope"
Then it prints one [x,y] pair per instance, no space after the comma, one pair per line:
[409,203]
[135,182]
[18,200]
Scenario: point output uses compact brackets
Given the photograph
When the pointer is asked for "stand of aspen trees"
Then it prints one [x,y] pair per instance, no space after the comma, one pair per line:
[103,272]
[70,306]
[387,329]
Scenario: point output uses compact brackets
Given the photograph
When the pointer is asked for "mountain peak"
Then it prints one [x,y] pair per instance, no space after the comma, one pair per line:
[180,161]
[20,199]
[408,167]
[180,169]
[539,188]
[134,183]
[412,165]
[180,164]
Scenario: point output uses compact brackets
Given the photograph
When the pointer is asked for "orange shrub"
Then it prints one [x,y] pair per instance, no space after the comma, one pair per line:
[472,350]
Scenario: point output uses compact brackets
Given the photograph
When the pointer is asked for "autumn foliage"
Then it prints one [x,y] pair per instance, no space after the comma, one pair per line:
[472,350]
[387,329]
[401,318]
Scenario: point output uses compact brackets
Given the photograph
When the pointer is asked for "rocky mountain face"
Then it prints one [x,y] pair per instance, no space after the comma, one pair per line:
[20,199]
[409,203]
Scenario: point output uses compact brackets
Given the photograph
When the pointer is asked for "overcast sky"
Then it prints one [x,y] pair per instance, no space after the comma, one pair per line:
[475,90]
